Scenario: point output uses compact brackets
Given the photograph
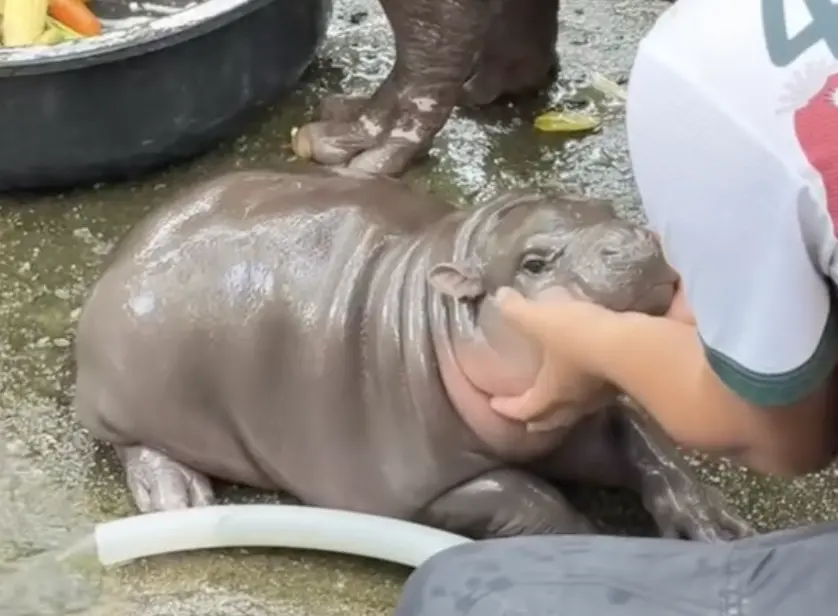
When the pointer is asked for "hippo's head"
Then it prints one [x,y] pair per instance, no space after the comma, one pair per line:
[542,247]
[565,244]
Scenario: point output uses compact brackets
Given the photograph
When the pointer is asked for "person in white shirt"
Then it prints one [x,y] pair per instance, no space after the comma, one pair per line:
[732,118]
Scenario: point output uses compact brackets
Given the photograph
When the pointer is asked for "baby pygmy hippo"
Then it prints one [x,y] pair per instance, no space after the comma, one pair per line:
[326,334]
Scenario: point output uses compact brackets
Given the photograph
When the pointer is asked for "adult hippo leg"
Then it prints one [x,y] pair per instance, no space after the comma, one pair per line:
[519,52]
[518,57]
[158,483]
[504,503]
[437,42]
[618,448]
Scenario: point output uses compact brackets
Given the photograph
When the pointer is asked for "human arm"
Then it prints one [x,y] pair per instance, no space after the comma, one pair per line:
[742,214]
[662,364]
[790,439]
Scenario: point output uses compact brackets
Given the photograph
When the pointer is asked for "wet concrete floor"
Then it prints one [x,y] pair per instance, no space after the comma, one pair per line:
[55,482]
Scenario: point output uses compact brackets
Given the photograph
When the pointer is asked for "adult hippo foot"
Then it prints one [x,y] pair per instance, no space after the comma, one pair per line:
[519,52]
[447,51]
[158,483]
[437,42]
[381,134]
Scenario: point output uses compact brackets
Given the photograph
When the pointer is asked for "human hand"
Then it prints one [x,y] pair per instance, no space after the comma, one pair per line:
[563,384]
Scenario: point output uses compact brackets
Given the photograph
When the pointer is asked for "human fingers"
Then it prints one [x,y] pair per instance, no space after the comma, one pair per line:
[526,315]
[533,404]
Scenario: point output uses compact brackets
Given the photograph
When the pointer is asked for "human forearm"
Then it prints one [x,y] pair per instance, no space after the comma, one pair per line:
[661,363]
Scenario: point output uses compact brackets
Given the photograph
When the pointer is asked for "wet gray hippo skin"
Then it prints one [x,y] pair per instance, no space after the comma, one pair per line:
[447,52]
[328,334]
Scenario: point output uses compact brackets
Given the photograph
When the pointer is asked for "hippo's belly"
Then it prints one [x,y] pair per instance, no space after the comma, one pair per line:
[242,351]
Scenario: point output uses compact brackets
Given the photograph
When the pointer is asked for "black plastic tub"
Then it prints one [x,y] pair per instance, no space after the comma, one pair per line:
[143,96]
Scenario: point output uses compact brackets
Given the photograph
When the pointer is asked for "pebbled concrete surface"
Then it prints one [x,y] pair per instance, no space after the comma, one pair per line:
[55,483]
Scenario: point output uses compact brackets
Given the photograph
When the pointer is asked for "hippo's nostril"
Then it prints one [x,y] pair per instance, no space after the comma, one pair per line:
[608,252]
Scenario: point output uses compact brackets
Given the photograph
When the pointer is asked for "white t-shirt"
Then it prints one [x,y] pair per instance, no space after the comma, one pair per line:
[732,119]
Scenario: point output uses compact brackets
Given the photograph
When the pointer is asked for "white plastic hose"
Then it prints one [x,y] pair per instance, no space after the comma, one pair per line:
[278,526]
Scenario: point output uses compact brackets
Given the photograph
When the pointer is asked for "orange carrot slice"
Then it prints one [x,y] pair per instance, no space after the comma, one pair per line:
[75,15]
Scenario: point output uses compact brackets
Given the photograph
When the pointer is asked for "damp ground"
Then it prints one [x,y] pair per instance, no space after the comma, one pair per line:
[55,482]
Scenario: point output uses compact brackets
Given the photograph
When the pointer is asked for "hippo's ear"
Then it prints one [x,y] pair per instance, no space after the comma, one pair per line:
[459,280]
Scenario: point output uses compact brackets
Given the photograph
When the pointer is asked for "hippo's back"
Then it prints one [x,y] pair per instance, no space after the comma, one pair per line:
[229,322]
[249,198]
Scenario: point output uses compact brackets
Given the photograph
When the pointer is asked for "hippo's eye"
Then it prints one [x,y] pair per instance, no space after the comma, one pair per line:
[534,264]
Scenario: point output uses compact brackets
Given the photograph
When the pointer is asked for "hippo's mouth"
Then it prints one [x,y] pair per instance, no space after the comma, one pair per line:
[655,300]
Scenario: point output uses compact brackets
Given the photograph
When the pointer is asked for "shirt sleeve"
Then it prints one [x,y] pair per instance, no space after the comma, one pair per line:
[742,230]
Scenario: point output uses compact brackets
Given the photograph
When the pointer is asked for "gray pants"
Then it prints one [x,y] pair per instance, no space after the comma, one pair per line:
[787,573]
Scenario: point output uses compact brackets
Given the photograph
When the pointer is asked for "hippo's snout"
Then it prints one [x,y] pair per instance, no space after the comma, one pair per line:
[656,283]
[628,242]
[621,266]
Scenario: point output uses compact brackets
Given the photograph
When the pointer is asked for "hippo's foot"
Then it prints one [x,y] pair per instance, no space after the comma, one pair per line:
[505,503]
[672,493]
[381,134]
[618,448]
[436,44]
[158,483]
[519,52]
[684,507]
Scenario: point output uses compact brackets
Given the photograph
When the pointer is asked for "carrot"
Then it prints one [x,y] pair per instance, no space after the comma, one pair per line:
[75,15]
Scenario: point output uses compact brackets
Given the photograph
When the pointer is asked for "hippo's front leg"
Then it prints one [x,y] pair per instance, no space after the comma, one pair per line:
[680,503]
[618,448]
[504,503]
[158,483]
[437,43]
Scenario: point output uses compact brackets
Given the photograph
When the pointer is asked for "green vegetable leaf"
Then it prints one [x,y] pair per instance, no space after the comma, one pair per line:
[566,122]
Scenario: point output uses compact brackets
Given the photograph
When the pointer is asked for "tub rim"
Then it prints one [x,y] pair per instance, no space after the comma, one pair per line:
[119,44]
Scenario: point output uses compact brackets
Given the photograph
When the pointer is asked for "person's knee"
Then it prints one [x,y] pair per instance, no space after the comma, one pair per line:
[587,575]
[513,575]
[428,590]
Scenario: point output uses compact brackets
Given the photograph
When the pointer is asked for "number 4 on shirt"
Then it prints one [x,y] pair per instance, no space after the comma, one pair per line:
[784,49]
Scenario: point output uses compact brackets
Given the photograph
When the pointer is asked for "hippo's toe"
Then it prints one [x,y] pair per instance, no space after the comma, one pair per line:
[380,135]
[330,143]
[158,483]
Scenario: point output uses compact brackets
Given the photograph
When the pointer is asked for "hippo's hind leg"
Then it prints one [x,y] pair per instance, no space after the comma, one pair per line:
[437,42]
[158,483]
[519,52]
[618,448]
[504,503]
